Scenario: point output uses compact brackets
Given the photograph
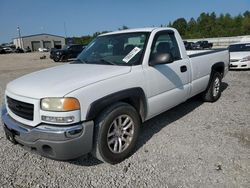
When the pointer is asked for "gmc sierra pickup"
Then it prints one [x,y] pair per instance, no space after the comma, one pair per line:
[97,103]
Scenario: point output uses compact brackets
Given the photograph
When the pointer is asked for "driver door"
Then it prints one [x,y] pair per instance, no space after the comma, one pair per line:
[167,84]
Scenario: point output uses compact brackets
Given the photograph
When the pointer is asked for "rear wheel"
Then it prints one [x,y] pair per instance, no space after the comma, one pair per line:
[213,92]
[64,58]
[116,133]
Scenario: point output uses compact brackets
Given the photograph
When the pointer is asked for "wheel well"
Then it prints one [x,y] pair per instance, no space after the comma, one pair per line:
[137,103]
[218,67]
[134,96]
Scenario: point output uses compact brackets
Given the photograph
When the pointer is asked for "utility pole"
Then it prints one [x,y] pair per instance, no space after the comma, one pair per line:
[20,38]
[65,31]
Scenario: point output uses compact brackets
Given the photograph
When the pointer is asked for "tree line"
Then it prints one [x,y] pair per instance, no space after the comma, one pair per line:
[211,25]
[205,26]
[84,40]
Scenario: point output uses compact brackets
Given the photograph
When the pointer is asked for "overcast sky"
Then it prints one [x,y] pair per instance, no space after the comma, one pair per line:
[82,17]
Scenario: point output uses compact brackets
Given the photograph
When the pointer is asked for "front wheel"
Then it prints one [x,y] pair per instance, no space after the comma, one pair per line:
[213,92]
[116,133]
[56,59]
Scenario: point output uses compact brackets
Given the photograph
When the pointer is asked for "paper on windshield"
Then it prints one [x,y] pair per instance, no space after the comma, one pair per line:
[131,54]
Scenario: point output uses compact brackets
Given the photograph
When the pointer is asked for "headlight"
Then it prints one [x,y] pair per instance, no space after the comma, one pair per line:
[245,59]
[60,104]
[58,53]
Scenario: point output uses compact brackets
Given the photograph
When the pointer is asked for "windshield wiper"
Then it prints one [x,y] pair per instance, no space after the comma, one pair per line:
[79,60]
[107,62]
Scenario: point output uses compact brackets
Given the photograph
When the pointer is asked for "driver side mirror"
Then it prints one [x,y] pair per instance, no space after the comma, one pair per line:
[163,58]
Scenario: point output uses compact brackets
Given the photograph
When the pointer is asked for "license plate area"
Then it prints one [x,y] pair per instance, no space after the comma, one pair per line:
[10,135]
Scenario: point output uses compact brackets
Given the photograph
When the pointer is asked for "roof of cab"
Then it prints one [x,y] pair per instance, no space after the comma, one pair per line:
[146,29]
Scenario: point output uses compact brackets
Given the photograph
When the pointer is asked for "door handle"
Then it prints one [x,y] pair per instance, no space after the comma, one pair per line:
[183,68]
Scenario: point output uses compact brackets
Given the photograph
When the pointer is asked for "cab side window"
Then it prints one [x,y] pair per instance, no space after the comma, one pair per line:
[165,42]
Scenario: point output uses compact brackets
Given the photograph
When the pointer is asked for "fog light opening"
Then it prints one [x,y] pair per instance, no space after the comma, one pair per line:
[74,133]
[48,150]
[68,119]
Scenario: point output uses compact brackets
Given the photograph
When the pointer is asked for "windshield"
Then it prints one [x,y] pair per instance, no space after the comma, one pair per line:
[65,47]
[239,47]
[116,49]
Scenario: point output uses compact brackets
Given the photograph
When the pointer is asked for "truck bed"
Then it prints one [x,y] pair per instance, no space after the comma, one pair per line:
[201,73]
[195,53]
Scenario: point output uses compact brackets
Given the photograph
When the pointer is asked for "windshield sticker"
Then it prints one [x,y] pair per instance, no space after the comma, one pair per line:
[131,54]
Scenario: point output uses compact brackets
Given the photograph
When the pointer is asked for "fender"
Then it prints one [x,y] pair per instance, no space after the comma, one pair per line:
[219,67]
[133,96]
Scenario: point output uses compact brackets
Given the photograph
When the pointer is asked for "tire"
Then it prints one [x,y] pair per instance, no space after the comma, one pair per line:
[113,148]
[213,92]
[64,58]
[56,59]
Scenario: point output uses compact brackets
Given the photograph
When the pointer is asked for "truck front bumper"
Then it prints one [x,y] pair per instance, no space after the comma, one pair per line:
[52,141]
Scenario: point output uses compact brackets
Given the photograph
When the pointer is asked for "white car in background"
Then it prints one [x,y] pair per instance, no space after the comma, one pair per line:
[240,55]
[43,49]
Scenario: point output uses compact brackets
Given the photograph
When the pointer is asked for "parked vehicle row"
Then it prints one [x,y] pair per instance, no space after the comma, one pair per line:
[6,50]
[67,52]
[203,44]
[199,45]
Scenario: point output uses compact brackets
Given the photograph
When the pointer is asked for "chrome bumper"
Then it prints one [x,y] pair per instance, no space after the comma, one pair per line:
[57,142]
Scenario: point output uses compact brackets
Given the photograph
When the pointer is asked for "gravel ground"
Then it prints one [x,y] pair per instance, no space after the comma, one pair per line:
[193,145]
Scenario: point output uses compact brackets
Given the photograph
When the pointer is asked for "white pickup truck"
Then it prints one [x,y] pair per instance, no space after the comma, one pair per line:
[97,103]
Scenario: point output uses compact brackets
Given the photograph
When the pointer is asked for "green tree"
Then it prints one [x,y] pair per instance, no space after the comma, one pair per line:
[181,25]
[237,28]
[206,25]
[246,23]
[211,25]
[192,31]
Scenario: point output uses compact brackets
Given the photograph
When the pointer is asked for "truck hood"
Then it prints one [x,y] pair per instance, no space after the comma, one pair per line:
[239,55]
[61,80]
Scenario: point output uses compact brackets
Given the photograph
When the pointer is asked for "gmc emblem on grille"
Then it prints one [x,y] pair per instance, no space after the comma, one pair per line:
[18,107]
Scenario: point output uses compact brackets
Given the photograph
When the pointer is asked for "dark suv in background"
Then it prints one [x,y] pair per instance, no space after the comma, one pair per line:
[67,52]
[188,45]
[203,44]
[2,51]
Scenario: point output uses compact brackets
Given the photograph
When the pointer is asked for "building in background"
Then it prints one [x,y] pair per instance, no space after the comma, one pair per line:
[40,41]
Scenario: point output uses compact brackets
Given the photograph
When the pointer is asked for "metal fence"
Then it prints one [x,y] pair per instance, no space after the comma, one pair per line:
[223,42]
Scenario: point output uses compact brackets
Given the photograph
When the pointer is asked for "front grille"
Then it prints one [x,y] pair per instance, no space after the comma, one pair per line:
[234,60]
[21,109]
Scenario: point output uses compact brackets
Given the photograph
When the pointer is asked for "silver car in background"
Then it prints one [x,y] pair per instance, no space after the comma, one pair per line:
[240,55]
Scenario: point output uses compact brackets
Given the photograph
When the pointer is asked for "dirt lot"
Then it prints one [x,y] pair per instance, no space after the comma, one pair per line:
[193,145]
